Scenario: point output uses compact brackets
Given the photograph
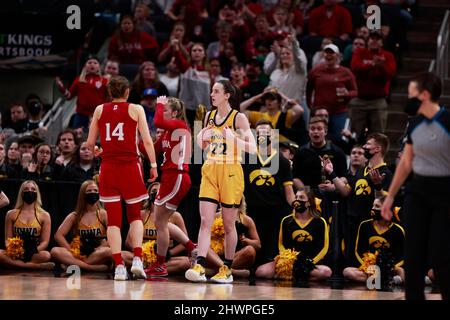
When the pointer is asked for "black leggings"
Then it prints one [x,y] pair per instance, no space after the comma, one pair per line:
[427,211]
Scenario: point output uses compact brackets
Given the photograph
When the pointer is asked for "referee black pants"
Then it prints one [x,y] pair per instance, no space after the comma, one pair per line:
[427,211]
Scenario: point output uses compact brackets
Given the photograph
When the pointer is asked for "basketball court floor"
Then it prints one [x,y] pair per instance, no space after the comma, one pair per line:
[44,285]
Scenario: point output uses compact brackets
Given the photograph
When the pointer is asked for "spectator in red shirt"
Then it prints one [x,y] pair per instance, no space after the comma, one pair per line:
[329,20]
[192,13]
[177,39]
[253,46]
[373,68]
[331,86]
[295,15]
[90,89]
[132,47]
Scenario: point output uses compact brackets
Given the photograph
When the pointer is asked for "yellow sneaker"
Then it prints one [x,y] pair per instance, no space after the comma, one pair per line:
[196,273]
[223,276]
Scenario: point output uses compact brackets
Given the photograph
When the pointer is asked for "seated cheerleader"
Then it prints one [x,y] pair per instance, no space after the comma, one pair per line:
[247,246]
[177,261]
[86,227]
[378,238]
[27,232]
[303,243]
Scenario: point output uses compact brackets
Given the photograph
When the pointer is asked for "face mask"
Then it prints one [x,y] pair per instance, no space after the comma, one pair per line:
[299,206]
[153,196]
[34,108]
[264,140]
[29,196]
[412,106]
[92,197]
[376,214]
[367,154]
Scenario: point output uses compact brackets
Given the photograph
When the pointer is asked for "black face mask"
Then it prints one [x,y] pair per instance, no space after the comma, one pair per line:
[367,154]
[299,206]
[29,196]
[376,215]
[264,140]
[152,196]
[92,197]
[34,108]
[412,106]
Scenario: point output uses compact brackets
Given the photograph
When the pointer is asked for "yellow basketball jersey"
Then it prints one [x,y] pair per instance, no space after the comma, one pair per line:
[221,150]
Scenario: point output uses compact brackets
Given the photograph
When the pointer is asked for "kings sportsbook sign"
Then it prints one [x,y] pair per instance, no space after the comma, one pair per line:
[43,28]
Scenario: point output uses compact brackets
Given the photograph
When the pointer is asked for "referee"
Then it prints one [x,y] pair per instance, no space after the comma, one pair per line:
[427,202]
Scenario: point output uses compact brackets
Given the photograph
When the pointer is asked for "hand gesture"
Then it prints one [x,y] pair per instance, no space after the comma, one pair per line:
[376,177]
[386,211]
[26,159]
[32,167]
[327,186]
[60,160]
[153,175]
[228,134]
[275,48]
[327,164]
[162,99]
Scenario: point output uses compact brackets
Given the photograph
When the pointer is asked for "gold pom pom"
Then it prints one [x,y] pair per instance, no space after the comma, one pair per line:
[217,236]
[284,264]
[14,249]
[148,253]
[369,259]
[75,248]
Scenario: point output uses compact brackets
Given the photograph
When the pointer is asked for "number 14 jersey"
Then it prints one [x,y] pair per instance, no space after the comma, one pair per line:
[118,133]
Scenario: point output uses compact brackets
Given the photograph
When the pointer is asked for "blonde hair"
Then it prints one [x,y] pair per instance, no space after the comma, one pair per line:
[83,73]
[178,106]
[37,204]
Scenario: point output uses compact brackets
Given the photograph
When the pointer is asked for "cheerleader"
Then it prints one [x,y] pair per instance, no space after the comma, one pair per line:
[27,232]
[86,226]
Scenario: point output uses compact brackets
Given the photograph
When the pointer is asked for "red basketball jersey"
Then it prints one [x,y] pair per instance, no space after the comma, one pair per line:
[118,133]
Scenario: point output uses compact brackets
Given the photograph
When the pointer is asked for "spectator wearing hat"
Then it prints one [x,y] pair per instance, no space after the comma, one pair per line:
[373,68]
[288,149]
[27,146]
[331,86]
[90,90]
[146,77]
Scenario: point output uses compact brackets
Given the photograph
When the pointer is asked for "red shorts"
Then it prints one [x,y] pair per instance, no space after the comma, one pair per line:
[122,181]
[173,187]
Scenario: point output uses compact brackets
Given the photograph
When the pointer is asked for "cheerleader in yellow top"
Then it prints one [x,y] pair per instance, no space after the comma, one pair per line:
[226,133]
[27,231]
[86,226]
[177,260]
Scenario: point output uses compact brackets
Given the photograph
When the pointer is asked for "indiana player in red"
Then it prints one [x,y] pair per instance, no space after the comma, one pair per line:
[175,144]
[118,123]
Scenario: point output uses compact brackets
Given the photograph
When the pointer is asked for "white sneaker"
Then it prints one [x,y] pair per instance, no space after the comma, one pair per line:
[428,281]
[137,268]
[121,273]
[196,273]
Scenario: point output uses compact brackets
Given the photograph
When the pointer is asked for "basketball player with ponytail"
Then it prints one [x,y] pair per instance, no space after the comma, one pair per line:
[226,134]
[175,145]
[121,175]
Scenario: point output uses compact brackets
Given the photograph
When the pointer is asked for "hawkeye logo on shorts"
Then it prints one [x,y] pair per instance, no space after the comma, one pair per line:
[262,177]
[362,188]
[302,236]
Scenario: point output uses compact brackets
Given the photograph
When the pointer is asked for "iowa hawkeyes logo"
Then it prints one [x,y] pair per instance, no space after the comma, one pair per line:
[302,236]
[377,243]
[362,188]
[262,178]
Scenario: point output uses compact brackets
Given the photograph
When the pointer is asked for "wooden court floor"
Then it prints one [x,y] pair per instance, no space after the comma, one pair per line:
[43,285]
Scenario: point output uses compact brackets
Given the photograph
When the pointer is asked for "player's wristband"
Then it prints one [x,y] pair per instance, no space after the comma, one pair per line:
[153,165]
[331,176]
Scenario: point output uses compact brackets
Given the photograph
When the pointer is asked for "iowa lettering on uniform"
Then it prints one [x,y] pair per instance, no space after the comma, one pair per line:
[91,232]
[26,230]
[150,232]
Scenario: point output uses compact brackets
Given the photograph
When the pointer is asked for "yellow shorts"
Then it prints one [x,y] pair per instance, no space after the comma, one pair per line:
[222,183]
